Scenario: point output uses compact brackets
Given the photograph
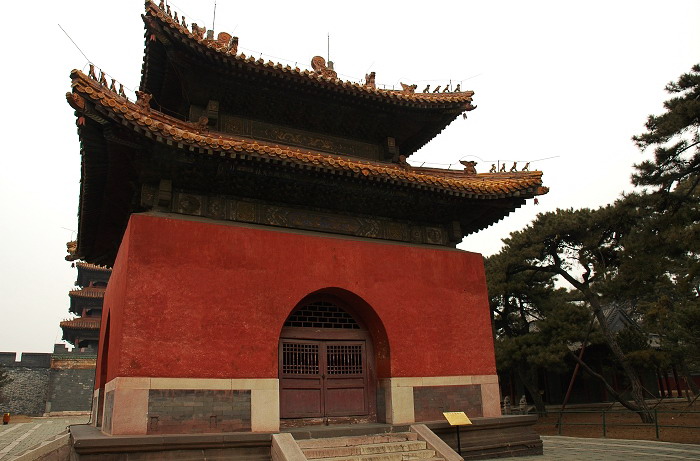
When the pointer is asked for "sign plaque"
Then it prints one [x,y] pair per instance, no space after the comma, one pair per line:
[456,418]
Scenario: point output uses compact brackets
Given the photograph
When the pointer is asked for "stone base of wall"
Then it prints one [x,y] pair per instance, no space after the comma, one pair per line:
[409,400]
[500,437]
[90,444]
[139,406]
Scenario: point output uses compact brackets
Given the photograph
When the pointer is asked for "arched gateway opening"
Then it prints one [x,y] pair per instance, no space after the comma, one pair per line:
[327,361]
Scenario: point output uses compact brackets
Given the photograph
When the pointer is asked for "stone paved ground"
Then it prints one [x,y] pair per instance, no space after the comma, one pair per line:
[16,438]
[579,449]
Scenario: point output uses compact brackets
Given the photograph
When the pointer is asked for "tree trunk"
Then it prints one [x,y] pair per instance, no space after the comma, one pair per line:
[688,378]
[528,376]
[642,409]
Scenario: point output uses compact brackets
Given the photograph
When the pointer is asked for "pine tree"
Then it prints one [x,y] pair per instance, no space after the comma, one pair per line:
[675,137]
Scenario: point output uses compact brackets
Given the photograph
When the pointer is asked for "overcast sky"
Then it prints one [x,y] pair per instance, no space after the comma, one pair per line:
[561,84]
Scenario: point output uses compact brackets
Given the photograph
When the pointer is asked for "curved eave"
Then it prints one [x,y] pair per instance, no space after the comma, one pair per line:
[165,27]
[80,324]
[168,130]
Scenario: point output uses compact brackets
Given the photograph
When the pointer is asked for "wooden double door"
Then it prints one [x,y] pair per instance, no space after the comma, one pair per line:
[323,378]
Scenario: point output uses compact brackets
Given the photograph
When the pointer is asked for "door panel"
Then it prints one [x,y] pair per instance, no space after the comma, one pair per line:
[301,385]
[345,384]
[322,378]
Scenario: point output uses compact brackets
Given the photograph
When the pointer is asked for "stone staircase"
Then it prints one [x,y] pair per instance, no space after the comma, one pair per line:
[401,446]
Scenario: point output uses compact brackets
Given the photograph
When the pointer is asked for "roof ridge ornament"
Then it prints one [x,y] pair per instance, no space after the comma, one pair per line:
[143,100]
[318,64]
[408,88]
[370,80]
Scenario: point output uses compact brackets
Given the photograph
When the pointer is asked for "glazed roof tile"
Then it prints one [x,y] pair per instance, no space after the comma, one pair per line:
[82,323]
[88,292]
[216,48]
[93,267]
[163,128]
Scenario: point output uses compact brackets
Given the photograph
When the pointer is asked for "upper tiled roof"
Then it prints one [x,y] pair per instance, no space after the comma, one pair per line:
[88,292]
[218,50]
[163,128]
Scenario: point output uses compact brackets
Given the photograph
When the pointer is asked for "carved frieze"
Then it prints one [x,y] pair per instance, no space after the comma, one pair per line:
[255,212]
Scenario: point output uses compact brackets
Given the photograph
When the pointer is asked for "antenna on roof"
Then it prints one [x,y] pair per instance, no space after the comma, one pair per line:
[329,47]
[213,21]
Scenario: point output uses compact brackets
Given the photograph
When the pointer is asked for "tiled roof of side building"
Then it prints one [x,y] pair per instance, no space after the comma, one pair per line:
[82,323]
[163,128]
[220,48]
[88,292]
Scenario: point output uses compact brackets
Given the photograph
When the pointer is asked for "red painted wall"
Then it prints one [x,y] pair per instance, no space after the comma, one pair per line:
[199,299]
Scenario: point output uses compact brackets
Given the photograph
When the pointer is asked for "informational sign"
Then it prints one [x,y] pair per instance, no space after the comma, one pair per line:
[456,418]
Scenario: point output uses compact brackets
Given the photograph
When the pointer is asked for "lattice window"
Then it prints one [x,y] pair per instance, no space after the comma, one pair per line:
[321,314]
[344,360]
[299,359]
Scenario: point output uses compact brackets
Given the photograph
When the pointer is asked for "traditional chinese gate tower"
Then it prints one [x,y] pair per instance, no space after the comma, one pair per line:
[274,256]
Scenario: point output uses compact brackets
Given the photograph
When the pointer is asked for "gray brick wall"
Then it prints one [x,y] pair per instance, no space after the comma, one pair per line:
[36,388]
[192,411]
[26,393]
[71,389]
[431,401]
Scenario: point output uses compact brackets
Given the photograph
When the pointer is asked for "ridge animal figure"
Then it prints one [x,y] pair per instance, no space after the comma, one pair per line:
[503,168]
[427,89]
[514,167]
[469,166]
[437,89]
[408,88]
[493,168]
[526,167]
[457,88]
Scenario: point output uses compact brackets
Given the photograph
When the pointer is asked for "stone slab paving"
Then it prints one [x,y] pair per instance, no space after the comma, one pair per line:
[16,438]
[579,449]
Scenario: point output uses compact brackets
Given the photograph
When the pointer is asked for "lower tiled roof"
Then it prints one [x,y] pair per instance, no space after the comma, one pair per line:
[163,128]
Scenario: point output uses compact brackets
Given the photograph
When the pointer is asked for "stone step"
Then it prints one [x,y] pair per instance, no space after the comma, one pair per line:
[418,455]
[365,449]
[356,440]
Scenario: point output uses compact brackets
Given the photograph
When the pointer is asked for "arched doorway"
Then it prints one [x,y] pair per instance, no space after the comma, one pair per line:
[326,363]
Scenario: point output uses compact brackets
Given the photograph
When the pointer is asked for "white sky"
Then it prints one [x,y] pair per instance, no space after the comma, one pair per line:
[564,79]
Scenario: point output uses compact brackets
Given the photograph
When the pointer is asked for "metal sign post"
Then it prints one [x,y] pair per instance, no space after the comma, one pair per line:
[457,418]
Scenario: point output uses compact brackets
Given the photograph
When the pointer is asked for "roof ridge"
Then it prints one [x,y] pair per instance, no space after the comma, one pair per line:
[323,75]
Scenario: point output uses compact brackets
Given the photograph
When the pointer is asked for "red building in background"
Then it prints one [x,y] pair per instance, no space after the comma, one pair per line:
[276,261]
